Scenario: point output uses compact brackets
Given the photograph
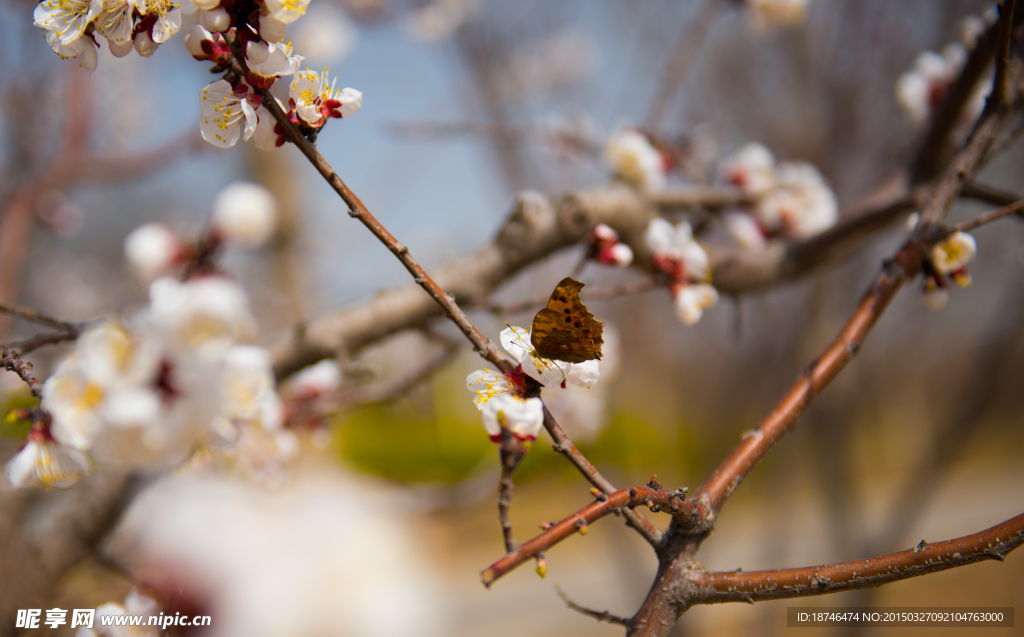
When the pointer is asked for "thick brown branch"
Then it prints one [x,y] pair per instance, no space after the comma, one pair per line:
[565,447]
[623,501]
[992,544]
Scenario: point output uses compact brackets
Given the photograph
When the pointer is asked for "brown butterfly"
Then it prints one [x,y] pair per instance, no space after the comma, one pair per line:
[566,330]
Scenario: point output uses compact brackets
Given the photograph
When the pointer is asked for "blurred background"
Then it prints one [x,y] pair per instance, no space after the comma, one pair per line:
[383,526]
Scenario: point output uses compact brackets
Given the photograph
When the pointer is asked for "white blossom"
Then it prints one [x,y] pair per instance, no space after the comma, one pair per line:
[265,136]
[677,245]
[223,110]
[272,59]
[316,99]
[954,252]
[194,40]
[635,160]
[245,213]
[745,231]
[82,50]
[152,250]
[271,29]
[315,380]
[287,11]
[751,169]
[115,22]
[44,462]
[145,45]
[249,387]
[922,88]
[135,603]
[801,205]
[691,301]
[206,313]
[522,416]
[66,19]
[215,20]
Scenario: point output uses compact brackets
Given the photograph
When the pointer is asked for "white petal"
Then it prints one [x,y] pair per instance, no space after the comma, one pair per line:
[658,235]
[954,252]
[245,213]
[524,417]
[487,384]
[692,300]
[584,374]
[516,341]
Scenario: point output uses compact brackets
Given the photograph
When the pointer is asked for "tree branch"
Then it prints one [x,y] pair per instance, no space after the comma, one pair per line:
[564,446]
[623,501]
[992,544]
[599,615]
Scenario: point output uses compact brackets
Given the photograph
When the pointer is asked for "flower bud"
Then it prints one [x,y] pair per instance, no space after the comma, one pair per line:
[245,213]
[152,250]
[144,44]
[194,41]
[215,20]
[120,49]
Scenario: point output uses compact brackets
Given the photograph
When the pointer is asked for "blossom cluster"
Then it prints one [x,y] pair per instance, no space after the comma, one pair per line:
[636,161]
[149,389]
[500,396]
[71,26]
[922,88]
[677,255]
[234,106]
[791,200]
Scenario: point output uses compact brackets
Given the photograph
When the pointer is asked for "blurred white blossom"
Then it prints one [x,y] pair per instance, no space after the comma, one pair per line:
[149,391]
[135,603]
[635,160]
[245,214]
[678,255]
[922,88]
[153,250]
[44,462]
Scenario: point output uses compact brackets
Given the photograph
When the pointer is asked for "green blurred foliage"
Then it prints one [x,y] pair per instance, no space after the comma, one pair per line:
[20,400]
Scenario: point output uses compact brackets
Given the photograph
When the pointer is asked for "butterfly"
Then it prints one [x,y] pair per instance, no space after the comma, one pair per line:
[566,330]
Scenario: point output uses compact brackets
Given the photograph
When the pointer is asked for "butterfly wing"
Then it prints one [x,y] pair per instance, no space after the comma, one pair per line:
[566,330]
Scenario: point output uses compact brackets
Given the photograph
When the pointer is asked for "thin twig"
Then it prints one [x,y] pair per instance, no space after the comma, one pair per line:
[12,362]
[348,398]
[578,522]
[752,586]
[39,340]
[36,316]
[357,209]
[510,454]
[564,446]
[599,615]
[990,216]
